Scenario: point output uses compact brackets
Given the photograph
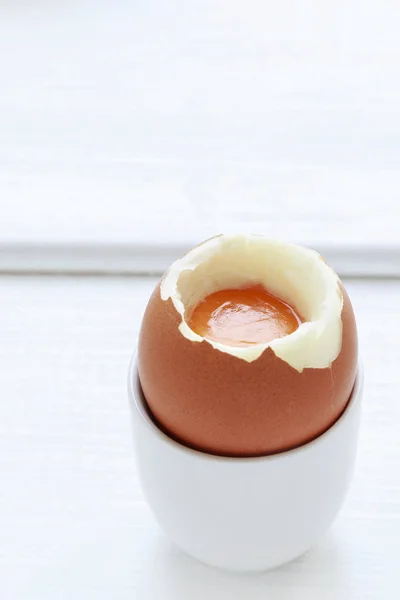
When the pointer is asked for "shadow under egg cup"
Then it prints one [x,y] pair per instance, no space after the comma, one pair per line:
[244,514]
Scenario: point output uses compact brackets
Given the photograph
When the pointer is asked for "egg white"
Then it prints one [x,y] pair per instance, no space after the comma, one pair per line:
[295,274]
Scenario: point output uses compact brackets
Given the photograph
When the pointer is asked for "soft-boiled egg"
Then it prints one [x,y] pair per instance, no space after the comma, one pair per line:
[248,347]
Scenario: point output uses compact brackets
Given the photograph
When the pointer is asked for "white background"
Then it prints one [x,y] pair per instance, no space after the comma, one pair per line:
[130,130]
[130,123]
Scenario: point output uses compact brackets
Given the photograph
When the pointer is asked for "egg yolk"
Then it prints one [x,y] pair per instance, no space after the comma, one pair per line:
[242,317]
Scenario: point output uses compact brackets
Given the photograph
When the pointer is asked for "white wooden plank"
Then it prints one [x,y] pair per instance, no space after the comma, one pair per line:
[166,122]
[357,260]
[73,520]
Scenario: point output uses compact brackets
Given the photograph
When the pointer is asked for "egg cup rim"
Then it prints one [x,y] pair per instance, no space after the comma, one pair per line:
[138,404]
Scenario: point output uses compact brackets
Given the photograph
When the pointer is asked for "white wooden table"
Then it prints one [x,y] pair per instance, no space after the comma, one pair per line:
[73,521]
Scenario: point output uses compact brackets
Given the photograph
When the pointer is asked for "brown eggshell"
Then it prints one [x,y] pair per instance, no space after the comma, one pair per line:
[221,404]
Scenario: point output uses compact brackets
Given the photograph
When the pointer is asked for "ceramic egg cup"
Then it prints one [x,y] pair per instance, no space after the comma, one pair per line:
[244,514]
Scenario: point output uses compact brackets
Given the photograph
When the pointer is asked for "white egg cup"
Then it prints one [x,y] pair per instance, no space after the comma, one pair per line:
[244,514]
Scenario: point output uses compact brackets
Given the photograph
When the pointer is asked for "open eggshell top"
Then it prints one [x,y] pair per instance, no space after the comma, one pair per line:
[258,399]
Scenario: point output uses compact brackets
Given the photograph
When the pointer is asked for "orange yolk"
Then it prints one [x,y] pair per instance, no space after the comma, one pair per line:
[242,317]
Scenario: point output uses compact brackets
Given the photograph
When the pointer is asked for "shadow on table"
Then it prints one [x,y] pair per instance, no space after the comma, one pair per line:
[123,562]
[321,573]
